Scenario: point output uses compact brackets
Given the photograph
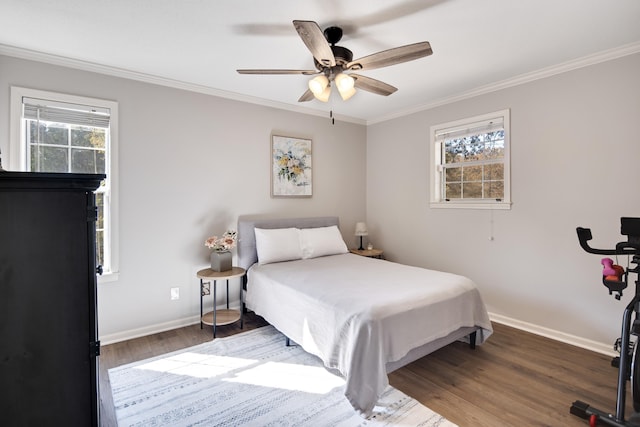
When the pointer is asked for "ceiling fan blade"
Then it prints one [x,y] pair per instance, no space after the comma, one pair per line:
[373,85]
[304,72]
[307,96]
[314,39]
[391,56]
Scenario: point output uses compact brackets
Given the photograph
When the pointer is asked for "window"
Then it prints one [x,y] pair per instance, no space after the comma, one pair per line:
[470,161]
[52,132]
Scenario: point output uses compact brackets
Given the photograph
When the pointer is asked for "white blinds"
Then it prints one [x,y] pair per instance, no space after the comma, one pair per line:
[61,112]
[470,129]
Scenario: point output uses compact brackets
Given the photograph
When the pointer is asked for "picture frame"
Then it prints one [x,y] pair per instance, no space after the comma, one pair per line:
[291,167]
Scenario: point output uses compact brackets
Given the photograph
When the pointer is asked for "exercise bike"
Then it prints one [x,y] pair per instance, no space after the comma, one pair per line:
[628,362]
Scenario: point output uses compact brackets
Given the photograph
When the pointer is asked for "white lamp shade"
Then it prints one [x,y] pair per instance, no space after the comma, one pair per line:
[347,93]
[324,96]
[318,84]
[361,229]
[344,82]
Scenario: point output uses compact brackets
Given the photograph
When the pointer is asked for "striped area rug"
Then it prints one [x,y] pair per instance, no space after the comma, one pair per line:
[248,379]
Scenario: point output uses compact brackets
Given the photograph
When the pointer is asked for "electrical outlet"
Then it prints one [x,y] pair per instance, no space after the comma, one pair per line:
[175,293]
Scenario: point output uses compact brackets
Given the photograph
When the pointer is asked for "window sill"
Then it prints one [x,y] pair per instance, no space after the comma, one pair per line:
[108,277]
[470,205]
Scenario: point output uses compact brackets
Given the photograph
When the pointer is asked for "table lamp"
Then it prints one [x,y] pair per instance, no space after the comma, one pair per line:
[361,230]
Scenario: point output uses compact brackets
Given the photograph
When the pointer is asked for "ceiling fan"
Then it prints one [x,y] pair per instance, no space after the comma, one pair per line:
[332,61]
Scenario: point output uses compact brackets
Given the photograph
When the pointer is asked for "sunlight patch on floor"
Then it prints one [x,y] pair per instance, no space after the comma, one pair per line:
[309,379]
[197,365]
[287,376]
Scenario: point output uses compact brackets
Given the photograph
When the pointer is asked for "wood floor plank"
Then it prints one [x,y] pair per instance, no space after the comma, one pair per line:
[514,379]
[445,400]
[475,384]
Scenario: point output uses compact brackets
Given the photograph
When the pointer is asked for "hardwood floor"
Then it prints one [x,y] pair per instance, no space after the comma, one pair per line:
[514,379]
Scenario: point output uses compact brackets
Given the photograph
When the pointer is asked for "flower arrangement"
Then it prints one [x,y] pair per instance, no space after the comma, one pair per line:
[291,167]
[224,243]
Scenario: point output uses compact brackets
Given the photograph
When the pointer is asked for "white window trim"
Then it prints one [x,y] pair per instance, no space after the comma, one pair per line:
[434,153]
[18,155]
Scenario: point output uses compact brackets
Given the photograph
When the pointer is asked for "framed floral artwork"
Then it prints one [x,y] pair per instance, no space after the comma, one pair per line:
[290,167]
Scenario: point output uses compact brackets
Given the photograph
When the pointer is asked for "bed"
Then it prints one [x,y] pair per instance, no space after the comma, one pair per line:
[363,317]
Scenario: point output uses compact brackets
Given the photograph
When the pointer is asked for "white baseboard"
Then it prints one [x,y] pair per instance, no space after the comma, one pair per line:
[598,347]
[148,330]
[157,328]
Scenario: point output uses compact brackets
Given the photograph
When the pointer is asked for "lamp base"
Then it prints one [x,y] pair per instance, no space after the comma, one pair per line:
[361,248]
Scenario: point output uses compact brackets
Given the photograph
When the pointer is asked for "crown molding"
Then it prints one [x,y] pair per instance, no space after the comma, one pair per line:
[585,61]
[607,55]
[63,61]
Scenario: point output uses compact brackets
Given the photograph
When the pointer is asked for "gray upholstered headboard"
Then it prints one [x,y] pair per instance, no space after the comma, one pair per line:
[247,255]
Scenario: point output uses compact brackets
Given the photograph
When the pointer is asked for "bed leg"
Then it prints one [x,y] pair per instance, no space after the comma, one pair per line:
[472,339]
[287,342]
[242,291]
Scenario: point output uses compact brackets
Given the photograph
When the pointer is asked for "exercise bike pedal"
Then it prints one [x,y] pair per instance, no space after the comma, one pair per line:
[615,362]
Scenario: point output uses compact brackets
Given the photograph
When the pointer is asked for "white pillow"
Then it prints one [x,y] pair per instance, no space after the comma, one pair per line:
[278,244]
[321,241]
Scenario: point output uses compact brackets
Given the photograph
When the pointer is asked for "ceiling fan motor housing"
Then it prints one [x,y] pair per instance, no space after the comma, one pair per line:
[342,55]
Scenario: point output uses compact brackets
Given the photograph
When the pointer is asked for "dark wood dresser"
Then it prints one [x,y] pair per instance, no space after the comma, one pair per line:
[48,322]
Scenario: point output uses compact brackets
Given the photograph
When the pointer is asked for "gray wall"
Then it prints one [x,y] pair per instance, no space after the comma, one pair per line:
[575,153]
[190,164]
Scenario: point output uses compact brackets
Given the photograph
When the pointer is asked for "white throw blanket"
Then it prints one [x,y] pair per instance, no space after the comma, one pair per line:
[357,313]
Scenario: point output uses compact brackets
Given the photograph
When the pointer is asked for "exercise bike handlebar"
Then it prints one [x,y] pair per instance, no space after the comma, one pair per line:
[622,248]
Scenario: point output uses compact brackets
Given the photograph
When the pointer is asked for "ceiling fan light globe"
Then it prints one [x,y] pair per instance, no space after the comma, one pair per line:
[344,82]
[318,84]
[324,96]
[348,93]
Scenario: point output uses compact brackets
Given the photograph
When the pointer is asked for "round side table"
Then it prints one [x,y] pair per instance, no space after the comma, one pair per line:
[370,253]
[223,316]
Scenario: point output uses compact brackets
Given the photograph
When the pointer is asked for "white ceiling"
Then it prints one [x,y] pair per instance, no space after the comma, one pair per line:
[198,44]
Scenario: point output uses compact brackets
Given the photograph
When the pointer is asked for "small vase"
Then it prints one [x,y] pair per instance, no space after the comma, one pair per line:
[221,261]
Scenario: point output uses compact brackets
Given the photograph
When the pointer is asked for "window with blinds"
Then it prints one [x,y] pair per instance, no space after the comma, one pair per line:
[471,162]
[65,137]
[70,134]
